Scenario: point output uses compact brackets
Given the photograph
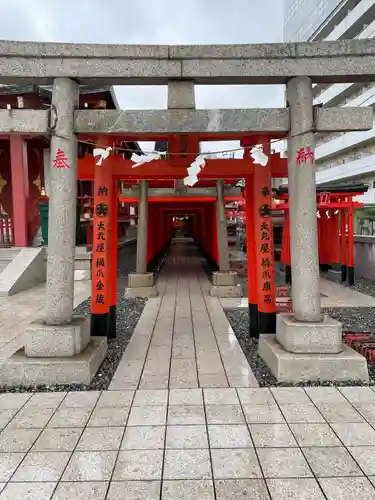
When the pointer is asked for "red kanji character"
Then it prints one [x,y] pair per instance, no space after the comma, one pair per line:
[60,160]
[100,299]
[309,155]
[267,299]
[300,156]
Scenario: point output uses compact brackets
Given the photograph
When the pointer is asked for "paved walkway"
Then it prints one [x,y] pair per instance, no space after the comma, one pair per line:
[183,338]
[185,444]
[184,419]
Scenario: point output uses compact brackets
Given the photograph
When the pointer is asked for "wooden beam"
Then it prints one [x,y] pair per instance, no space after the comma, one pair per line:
[227,168]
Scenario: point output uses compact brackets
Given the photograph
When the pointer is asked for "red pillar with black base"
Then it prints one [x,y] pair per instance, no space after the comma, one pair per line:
[350,242]
[101,249]
[264,248]
[251,260]
[285,249]
[113,263]
[343,244]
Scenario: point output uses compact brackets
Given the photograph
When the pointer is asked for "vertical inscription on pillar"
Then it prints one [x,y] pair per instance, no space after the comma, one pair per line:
[100,251]
[266,250]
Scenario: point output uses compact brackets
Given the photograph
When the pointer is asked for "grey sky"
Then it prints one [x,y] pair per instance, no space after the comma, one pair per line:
[154,22]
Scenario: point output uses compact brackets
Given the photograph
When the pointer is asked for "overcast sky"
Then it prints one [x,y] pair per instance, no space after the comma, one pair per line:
[154,22]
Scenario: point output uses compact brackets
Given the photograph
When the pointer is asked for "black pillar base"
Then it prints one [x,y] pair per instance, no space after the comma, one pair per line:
[267,322]
[253,321]
[351,275]
[288,274]
[112,322]
[343,273]
[99,325]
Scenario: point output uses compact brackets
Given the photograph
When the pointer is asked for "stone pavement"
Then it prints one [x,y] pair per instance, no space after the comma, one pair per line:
[183,444]
[183,338]
[18,311]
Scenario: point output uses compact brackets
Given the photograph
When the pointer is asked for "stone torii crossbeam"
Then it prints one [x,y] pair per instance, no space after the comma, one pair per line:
[58,348]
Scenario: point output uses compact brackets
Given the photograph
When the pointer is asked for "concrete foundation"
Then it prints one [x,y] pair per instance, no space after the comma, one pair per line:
[289,367]
[227,278]
[81,369]
[317,338]
[143,291]
[139,280]
[226,291]
[141,285]
[48,341]
[225,284]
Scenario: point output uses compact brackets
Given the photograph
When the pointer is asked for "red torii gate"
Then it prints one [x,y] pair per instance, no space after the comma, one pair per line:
[335,207]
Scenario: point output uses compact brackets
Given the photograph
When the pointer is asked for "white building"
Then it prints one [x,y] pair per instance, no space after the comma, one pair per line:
[341,157]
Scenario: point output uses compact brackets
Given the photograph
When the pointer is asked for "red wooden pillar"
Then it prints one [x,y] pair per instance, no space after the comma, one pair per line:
[262,198]
[214,235]
[343,244]
[350,242]
[335,240]
[251,260]
[204,228]
[101,249]
[20,189]
[113,262]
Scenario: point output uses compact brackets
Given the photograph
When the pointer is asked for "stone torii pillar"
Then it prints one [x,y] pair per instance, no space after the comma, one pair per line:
[224,281]
[141,266]
[58,348]
[308,345]
[141,283]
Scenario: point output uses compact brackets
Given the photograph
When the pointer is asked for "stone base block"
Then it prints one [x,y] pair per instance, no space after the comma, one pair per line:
[142,291]
[47,341]
[224,278]
[225,291]
[82,275]
[139,280]
[334,275]
[21,370]
[315,338]
[348,365]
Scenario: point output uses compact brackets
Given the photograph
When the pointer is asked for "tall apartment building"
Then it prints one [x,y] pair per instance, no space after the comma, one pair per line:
[340,157]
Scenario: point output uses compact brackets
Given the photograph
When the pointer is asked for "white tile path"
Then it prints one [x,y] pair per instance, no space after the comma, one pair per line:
[183,338]
[163,436]
[178,444]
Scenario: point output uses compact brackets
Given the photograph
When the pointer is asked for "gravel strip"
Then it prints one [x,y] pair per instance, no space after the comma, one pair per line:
[353,319]
[360,285]
[128,314]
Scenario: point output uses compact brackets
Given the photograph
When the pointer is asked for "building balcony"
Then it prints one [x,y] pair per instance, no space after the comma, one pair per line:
[351,170]
[344,143]
[366,198]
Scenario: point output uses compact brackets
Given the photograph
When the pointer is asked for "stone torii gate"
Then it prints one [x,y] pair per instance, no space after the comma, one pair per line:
[307,345]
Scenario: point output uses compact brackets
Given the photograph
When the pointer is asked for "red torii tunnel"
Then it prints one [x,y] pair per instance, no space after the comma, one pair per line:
[205,223]
[205,218]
